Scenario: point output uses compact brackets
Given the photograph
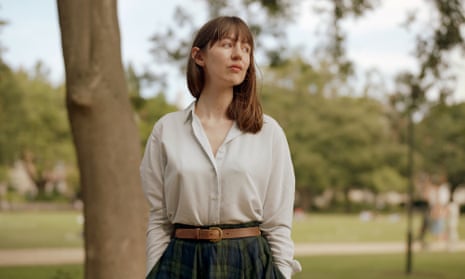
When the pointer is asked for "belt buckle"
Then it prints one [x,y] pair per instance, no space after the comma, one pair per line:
[220,232]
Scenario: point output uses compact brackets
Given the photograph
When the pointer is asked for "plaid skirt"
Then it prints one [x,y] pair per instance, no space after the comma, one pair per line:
[240,258]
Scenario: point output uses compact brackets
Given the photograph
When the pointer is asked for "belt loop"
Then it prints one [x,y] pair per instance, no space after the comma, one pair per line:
[197,233]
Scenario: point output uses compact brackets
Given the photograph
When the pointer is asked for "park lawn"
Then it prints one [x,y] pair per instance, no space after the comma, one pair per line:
[40,229]
[425,265]
[322,228]
[64,229]
[42,272]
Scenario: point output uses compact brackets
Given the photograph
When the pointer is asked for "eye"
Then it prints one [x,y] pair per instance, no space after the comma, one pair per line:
[226,43]
[246,49]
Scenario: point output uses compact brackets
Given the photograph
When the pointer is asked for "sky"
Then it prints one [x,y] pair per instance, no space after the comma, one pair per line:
[375,41]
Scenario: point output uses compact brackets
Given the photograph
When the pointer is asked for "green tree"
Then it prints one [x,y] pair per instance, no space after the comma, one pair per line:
[337,142]
[11,110]
[9,95]
[44,122]
[32,113]
[441,141]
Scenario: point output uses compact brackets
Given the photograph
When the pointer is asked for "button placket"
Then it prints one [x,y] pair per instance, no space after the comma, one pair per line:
[213,201]
[219,161]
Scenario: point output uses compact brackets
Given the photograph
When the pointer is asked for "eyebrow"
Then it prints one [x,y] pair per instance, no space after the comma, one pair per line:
[235,39]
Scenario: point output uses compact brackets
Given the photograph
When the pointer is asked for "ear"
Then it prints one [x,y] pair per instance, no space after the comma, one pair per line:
[197,56]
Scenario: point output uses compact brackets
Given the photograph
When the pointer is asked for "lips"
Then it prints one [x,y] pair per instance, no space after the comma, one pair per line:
[236,68]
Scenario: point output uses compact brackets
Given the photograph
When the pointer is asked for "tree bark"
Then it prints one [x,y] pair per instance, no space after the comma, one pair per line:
[106,139]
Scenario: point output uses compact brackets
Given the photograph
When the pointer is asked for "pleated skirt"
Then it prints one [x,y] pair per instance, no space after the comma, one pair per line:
[240,258]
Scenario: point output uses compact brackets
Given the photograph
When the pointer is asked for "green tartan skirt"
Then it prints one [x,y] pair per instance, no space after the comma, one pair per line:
[239,258]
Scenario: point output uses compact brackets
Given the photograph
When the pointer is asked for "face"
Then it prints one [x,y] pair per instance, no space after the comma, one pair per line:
[226,62]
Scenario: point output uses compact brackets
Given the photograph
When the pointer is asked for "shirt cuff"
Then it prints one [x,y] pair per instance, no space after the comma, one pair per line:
[288,271]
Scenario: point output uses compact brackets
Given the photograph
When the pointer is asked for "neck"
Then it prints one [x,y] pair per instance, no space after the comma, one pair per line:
[214,103]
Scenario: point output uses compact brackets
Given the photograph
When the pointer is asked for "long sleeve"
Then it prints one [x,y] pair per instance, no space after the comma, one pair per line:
[278,206]
[151,171]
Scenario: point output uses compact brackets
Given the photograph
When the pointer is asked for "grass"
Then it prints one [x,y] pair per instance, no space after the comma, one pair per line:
[43,272]
[425,266]
[320,228]
[63,229]
[390,266]
[40,230]
[346,228]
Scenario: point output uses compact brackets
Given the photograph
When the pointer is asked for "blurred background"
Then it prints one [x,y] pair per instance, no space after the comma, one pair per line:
[370,93]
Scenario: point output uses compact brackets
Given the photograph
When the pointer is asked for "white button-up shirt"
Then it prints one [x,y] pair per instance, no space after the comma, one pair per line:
[251,178]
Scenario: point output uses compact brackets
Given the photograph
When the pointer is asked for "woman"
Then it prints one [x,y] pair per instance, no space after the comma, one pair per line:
[218,176]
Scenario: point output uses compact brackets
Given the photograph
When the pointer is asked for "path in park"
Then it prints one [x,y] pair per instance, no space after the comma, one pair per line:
[76,255]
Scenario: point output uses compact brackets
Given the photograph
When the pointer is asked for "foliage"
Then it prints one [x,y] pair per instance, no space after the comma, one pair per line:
[11,110]
[387,178]
[32,113]
[44,120]
[441,141]
[3,173]
[337,142]
[434,48]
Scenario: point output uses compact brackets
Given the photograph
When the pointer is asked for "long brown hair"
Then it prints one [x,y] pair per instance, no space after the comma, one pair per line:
[245,107]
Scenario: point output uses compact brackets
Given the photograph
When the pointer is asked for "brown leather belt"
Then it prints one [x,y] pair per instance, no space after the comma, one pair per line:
[215,234]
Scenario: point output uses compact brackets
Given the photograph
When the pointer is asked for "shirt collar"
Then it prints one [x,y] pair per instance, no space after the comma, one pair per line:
[189,116]
[189,112]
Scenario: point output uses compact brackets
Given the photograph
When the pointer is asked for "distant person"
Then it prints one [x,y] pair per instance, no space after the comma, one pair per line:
[425,225]
[453,216]
[218,175]
[439,197]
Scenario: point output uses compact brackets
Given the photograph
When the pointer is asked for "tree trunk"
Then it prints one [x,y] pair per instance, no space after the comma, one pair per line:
[106,140]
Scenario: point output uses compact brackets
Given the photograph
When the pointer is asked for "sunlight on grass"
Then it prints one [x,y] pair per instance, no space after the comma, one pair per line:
[40,229]
[425,266]
[317,228]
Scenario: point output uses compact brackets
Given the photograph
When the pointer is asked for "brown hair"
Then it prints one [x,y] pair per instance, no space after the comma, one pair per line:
[245,107]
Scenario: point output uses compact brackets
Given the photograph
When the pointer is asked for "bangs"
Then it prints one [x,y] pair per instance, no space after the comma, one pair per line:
[232,28]
[223,27]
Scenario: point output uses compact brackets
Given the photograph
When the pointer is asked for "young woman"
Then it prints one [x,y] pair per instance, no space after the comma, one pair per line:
[218,176]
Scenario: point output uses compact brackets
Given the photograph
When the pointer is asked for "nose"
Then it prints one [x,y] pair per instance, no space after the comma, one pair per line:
[237,52]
